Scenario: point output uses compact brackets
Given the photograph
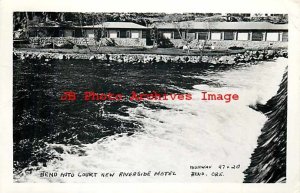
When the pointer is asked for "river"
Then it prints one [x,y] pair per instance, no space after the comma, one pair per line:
[56,136]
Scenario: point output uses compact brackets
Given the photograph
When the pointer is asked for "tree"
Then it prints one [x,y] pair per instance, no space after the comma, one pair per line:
[183,29]
[154,36]
[99,32]
[202,44]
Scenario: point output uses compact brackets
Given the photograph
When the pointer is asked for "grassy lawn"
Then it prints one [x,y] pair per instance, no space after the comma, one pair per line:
[134,50]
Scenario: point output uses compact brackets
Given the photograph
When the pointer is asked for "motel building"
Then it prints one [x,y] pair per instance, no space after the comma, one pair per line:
[218,35]
[225,34]
[116,33]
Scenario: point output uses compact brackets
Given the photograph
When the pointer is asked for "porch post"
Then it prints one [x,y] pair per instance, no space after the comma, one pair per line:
[235,37]
[265,36]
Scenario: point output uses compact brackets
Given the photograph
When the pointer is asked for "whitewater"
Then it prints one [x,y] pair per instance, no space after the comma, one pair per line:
[188,133]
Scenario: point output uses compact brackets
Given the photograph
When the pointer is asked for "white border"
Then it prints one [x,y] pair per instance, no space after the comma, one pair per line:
[292,7]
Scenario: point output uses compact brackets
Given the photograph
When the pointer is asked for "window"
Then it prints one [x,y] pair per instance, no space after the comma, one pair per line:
[177,35]
[123,33]
[127,34]
[242,36]
[33,33]
[202,35]
[78,33]
[61,33]
[183,34]
[257,36]
[285,36]
[228,36]
[144,34]
[216,36]
[90,33]
[167,35]
[272,36]
[113,34]
[191,36]
[69,33]
[135,34]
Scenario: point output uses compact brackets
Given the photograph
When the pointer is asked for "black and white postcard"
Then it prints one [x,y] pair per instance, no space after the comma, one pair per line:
[124,97]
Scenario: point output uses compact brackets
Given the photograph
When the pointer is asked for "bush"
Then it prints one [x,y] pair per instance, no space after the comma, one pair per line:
[64,45]
[47,45]
[236,48]
[111,42]
[165,43]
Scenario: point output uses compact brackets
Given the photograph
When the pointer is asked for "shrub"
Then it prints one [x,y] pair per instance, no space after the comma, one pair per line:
[111,42]
[236,48]
[165,43]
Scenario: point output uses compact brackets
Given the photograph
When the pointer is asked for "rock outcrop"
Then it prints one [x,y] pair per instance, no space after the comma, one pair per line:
[268,162]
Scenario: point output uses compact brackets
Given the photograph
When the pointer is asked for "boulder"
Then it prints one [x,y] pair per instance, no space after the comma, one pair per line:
[61,57]
[204,59]
[247,59]
[261,57]
[92,58]
[222,59]
[213,61]
[23,57]
[231,61]
[270,52]
[75,48]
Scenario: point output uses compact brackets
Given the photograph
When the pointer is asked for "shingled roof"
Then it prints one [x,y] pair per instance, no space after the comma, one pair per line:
[107,25]
[116,25]
[223,25]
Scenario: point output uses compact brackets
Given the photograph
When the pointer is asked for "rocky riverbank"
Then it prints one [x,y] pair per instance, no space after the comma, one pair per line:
[247,56]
